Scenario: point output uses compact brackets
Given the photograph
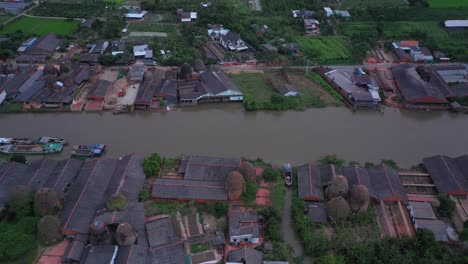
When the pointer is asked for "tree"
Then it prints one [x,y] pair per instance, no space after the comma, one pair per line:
[332,159]
[390,163]
[274,229]
[152,164]
[14,243]
[447,206]
[271,175]
[250,193]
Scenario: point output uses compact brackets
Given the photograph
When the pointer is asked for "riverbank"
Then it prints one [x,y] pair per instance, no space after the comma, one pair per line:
[278,137]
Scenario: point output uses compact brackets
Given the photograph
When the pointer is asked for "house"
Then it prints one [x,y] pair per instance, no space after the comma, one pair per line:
[344,14]
[213,85]
[31,59]
[164,239]
[99,90]
[99,47]
[421,54]
[13,7]
[2,96]
[317,213]
[260,30]
[188,16]
[45,45]
[88,23]
[243,226]
[200,179]
[136,14]
[297,14]
[440,56]
[147,91]
[91,58]
[232,41]
[328,11]
[358,97]
[312,26]
[402,56]
[450,175]
[137,72]
[27,44]
[287,89]
[269,47]
[117,47]
[422,215]
[245,255]
[456,24]
[293,49]
[142,51]
[382,181]
[414,88]
[405,44]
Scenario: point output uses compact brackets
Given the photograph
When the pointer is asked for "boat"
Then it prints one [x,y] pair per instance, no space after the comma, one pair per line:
[15,141]
[95,150]
[32,149]
[47,140]
[288,178]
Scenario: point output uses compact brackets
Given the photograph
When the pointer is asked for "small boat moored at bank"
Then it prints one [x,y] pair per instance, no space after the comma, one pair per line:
[95,150]
[32,149]
[47,140]
[288,180]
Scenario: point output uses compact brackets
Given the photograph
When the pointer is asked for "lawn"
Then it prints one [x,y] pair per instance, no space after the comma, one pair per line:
[447,3]
[43,26]
[254,86]
[144,27]
[326,50]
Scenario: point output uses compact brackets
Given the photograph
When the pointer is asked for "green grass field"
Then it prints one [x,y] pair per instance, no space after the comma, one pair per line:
[254,86]
[325,50]
[43,26]
[448,3]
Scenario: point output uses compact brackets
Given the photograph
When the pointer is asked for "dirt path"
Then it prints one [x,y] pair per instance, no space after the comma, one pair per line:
[287,231]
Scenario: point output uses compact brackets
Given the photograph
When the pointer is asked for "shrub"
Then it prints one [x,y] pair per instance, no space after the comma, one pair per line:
[271,175]
[369,164]
[152,164]
[221,209]
[145,195]
[274,229]
[331,259]
[447,206]
[332,159]
[317,79]
[250,192]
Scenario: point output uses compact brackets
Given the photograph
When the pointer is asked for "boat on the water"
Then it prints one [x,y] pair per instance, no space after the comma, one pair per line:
[95,150]
[288,178]
[15,141]
[47,140]
[32,149]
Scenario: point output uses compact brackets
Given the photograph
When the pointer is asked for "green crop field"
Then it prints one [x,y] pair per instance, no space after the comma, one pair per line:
[373,3]
[448,3]
[326,50]
[42,26]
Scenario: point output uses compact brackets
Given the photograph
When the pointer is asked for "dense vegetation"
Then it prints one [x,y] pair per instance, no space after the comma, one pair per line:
[354,242]
[152,164]
[70,10]
[447,206]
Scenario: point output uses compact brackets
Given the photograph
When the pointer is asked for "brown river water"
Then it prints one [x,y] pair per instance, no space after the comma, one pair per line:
[277,137]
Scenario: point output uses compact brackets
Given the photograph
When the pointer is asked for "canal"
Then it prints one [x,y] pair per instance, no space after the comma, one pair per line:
[278,137]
